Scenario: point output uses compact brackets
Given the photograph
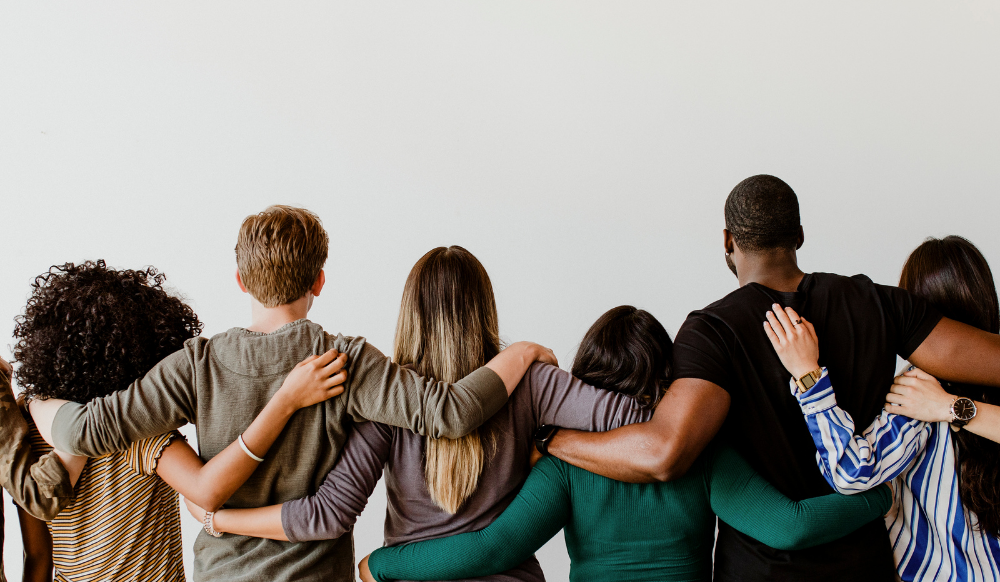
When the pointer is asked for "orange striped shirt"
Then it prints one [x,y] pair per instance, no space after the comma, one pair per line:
[124,523]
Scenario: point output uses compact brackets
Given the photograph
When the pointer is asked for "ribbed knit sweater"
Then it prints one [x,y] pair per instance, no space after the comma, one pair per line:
[625,531]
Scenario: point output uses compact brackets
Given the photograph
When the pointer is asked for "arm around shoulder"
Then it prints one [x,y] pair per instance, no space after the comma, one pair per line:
[687,418]
[383,391]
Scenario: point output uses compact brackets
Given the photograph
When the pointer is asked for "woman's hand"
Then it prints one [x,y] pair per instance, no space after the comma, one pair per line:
[314,380]
[919,395]
[364,572]
[195,511]
[794,339]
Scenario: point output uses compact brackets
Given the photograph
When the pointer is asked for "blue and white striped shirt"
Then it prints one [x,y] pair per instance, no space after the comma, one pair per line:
[932,534]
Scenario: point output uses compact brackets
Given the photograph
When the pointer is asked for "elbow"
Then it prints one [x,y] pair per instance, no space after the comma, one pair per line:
[662,462]
[795,537]
[207,500]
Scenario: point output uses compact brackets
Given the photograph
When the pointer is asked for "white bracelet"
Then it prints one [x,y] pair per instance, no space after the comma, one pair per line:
[243,445]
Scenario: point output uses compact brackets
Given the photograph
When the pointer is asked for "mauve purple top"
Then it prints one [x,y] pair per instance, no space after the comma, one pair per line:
[546,395]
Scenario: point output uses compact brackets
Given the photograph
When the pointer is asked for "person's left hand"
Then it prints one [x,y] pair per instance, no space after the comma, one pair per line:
[196,512]
[364,572]
[919,395]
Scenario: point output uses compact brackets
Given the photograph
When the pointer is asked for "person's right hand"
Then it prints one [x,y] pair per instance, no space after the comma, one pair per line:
[314,380]
[544,355]
[796,343]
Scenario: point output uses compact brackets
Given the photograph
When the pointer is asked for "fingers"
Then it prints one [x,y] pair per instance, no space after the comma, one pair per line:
[335,365]
[771,335]
[783,319]
[326,358]
[895,398]
[792,314]
[336,379]
[306,361]
[809,328]
[776,328]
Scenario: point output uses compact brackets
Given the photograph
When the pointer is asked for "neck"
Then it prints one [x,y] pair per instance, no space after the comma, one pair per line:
[268,319]
[776,270]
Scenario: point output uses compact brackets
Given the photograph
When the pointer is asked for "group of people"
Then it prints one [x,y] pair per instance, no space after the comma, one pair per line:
[735,451]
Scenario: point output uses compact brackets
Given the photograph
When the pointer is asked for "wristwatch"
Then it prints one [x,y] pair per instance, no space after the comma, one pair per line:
[809,380]
[962,411]
[543,436]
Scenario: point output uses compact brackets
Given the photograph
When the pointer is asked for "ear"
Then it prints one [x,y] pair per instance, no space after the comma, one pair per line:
[727,241]
[317,286]
[239,281]
[801,239]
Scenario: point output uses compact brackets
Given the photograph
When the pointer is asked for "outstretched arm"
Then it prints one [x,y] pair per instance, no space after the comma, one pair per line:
[315,379]
[537,513]
[383,391]
[332,510]
[746,501]
[960,353]
[686,419]
[849,463]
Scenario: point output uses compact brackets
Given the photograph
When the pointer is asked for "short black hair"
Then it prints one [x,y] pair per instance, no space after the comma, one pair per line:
[88,330]
[627,350]
[762,214]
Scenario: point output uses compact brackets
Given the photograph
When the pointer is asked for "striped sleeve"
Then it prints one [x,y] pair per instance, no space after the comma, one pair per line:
[142,456]
[852,463]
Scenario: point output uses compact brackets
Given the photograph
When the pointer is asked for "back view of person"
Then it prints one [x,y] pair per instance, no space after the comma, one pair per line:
[222,383]
[728,378]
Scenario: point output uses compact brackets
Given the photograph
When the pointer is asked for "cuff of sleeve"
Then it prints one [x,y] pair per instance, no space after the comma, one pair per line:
[60,427]
[52,477]
[490,388]
[287,524]
[375,565]
[818,398]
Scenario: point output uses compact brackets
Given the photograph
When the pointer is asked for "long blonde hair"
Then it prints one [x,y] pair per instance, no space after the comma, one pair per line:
[447,329]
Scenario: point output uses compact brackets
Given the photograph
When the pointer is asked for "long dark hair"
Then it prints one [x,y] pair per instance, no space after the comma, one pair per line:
[626,350]
[954,277]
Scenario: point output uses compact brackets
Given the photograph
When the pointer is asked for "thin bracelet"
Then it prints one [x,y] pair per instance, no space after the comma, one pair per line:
[210,525]
[246,450]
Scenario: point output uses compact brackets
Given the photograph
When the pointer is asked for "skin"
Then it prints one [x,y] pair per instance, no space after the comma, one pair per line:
[511,364]
[692,411]
[915,394]
[38,565]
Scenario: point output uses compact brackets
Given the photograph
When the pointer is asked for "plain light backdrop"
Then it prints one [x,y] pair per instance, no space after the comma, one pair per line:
[582,150]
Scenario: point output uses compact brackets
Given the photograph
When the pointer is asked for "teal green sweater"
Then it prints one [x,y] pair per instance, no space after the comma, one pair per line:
[627,531]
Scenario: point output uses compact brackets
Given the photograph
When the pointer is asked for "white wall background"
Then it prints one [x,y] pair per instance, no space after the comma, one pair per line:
[582,150]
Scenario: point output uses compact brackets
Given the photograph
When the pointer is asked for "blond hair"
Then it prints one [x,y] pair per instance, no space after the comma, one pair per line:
[280,253]
[447,329]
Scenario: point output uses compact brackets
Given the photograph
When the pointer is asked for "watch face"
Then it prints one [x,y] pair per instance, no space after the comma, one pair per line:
[964,409]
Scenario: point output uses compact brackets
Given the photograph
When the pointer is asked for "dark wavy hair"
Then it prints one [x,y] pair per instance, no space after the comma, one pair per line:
[628,351]
[954,277]
[88,330]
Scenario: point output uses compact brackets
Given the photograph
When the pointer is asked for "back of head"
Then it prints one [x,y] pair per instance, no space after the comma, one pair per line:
[447,329]
[280,253]
[89,330]
[627,350]
[954,277]
[762,214]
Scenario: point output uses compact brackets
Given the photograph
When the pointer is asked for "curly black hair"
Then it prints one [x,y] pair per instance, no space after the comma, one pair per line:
[762,214]
[88,330]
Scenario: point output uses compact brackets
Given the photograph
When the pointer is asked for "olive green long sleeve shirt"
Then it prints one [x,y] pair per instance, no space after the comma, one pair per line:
[221,384]
[37,483]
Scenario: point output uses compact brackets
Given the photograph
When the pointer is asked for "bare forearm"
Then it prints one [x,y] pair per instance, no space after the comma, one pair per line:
[960,353]
[37,548]
[263,522]
[986,423]
[662,449]
[211,484]
[625,454]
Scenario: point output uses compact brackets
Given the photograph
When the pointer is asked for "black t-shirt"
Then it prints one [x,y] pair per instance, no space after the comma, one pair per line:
[861,327]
